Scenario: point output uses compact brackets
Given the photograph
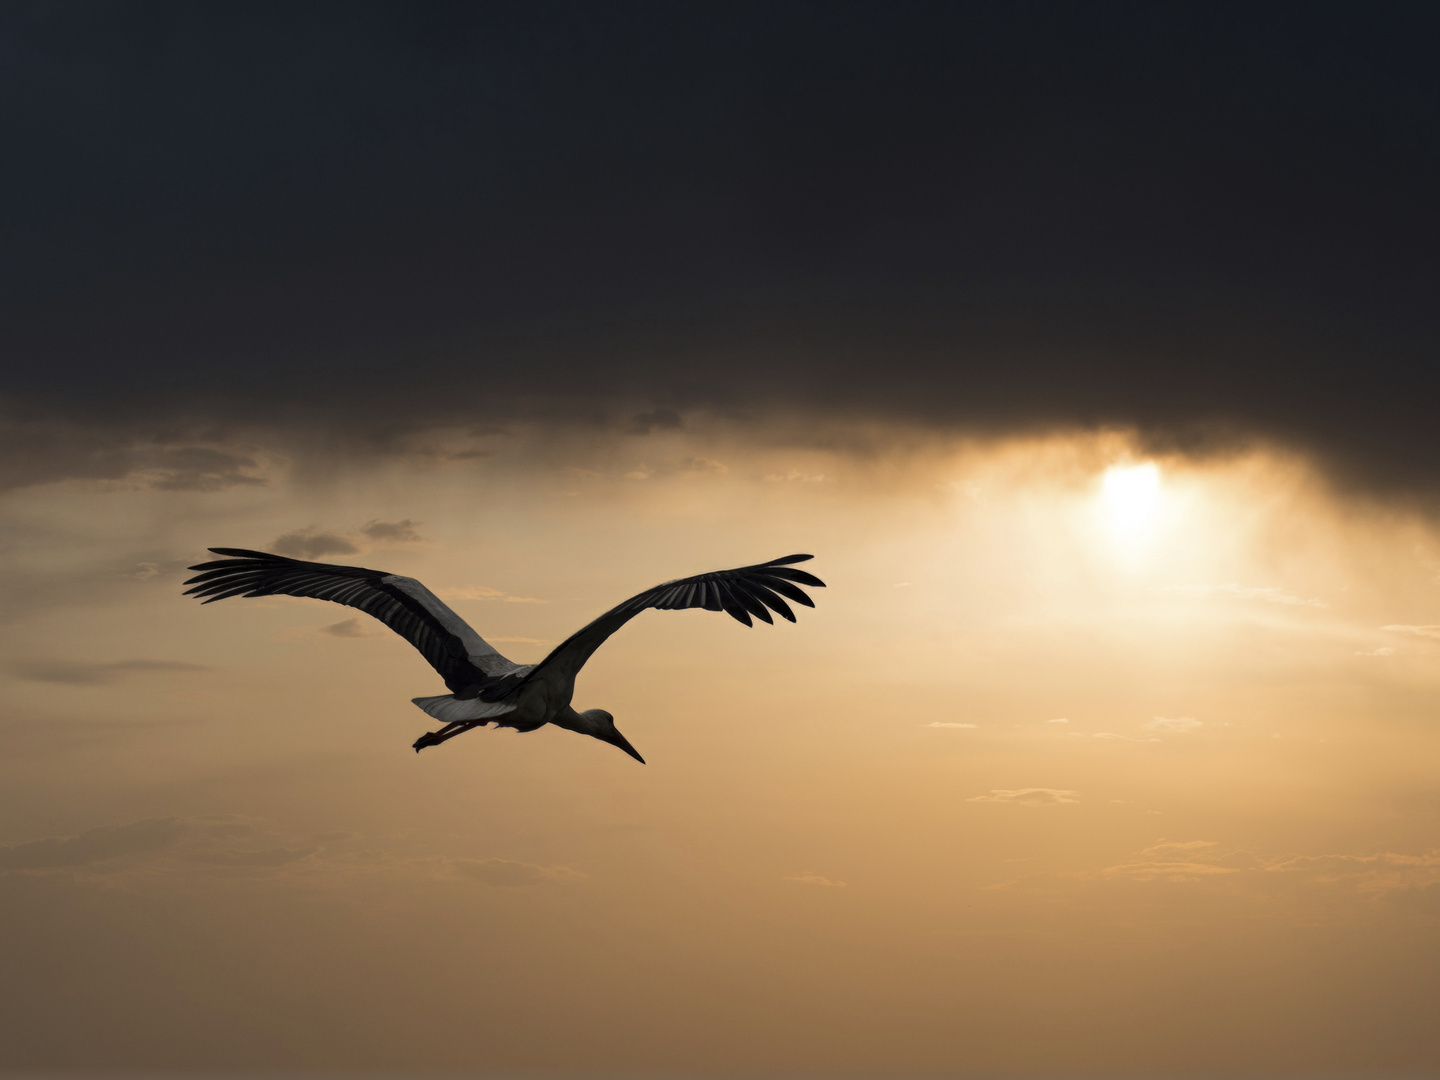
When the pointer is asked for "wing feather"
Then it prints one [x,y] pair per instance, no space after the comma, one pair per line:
[464,660]
[799,576]
[790,592]
[775,603]
[741,593]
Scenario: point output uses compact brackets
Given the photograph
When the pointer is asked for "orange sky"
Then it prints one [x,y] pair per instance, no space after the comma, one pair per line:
[1072,767]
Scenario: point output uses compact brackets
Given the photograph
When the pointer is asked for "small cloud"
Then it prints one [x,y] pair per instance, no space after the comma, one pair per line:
[1384,650]
[392,532]
[143,571]
[347,628]
[803,478]
[73,673]
[901,585]
[1169,871]
[265,857]
[699,466]
[816,879]
[1179,860]
[509,874]
[1110,735]
[484,592]
[1431,631]
[92,846]
[642,473]
[1061,720]
[1271,594]
[1030,796]
[197,468]
[1173,724]
[1172,848]
[646,423]
[310,544]
[469,592]
[946,723]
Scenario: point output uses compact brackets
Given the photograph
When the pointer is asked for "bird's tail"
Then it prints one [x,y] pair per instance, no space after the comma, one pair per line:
[447,708]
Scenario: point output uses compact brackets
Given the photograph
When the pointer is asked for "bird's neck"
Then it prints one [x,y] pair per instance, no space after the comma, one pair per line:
[571,720]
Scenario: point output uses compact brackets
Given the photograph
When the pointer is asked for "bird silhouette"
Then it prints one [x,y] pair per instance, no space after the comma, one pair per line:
[485,687]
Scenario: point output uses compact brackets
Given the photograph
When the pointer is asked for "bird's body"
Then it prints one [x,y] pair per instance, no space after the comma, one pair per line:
[485,687]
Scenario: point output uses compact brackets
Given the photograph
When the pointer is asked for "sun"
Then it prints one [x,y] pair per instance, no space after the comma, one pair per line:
[1131,498]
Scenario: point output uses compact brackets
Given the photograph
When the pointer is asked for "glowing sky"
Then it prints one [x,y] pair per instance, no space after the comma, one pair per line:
[1090,348]
[1131,751]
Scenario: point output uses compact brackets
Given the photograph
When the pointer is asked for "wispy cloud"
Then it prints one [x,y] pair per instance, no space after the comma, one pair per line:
[77,673]
[177,849]
[1428,631]
[251,857]
[469,592]
[403,531]
[196,468]
[1030,796]
[947,723]
[645,423]
[484,592]
[1193,860]
[1172,848]
[510,874]
[1170,871]
[1270,594]
[349,628]
[803,478]
[1173,724]
[816,879]
[93,846]
[699,466]
[311,543]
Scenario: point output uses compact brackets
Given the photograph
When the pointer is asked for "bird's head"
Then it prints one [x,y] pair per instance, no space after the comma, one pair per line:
[602,726]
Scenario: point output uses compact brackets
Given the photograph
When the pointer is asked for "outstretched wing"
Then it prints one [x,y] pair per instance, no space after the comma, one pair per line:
[740,593]
[462,657]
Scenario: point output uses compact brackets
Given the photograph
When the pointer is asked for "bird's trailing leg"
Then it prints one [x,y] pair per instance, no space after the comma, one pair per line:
[449,731]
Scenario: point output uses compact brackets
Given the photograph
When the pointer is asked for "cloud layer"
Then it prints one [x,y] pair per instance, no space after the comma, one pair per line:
[782,221]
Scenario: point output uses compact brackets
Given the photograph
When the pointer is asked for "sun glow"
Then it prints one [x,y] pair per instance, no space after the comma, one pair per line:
[1131,497]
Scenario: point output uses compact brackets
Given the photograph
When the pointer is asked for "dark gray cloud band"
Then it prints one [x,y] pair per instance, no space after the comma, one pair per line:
[352,221]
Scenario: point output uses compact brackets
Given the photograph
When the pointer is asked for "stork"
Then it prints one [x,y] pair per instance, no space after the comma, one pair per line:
[485,687]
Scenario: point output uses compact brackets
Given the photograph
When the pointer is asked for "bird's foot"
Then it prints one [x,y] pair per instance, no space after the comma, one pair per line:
[430,738]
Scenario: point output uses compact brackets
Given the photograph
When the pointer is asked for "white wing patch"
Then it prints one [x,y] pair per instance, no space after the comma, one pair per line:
[447,710]
[481,653]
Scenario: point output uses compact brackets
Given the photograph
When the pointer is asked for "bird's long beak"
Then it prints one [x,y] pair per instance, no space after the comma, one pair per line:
[624,744]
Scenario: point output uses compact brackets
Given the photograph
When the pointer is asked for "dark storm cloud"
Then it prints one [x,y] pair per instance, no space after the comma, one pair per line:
[351,220]
[145,448]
